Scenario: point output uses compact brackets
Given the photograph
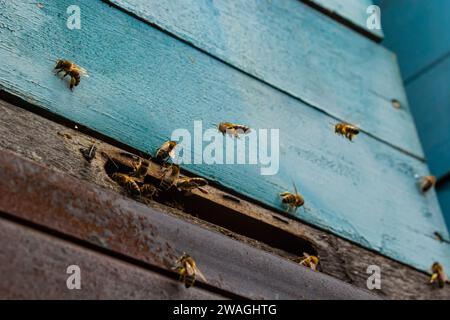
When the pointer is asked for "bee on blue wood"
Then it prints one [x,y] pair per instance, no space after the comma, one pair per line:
[75,72]
[232,129]
[292,200]
[166,151]
[347,130]
[188,271]
[437,273]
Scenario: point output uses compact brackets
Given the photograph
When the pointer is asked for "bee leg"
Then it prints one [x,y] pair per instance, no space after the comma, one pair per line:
[72,83]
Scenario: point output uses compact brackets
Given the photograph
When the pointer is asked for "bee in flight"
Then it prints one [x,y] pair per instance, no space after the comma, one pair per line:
[347,130]
[426,183]
[169,177]
[437,273]
[189,184]
[309,261]
[187,269]
[127,182]
[166,151]
[292,200]
[232,129]
[75,72]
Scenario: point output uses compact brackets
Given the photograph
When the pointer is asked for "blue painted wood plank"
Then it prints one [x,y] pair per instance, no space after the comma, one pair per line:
[298,50]
[444,200]
[354,11]
[430,103]
[144,84]
[417,31]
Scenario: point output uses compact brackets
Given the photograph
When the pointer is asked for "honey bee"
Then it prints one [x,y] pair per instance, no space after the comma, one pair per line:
[89,154]
[140,169]
[127,182]
[346,129]
[232,129]
[75,72]
[187,269]
[309,261]
[166,151]
[292,200]
[169,177]
[148,190]
[426,183]
[189,184]
[437,273]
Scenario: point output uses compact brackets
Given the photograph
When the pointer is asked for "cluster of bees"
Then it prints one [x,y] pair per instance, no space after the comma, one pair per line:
[134,183]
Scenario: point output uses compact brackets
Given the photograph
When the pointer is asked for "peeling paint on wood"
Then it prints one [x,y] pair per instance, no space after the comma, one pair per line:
[142,80]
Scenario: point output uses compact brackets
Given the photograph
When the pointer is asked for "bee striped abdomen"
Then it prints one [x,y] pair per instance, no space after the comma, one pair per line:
[127,183]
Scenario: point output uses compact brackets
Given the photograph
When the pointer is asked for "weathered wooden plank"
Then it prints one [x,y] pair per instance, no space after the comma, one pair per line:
[34,266]
[294,48]
[57,147]
[353,11]
[431,99]
[101,217]
[140,104]
[417,31]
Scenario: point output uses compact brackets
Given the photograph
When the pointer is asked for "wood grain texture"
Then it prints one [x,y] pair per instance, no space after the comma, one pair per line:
[298,50]
[57,147]
[118,224]
[417,31]
[34,266]
[430,97]
[355,11]
[143,87]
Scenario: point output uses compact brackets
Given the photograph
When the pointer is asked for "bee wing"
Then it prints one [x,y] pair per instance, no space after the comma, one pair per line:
[190,269]
[295,187]
[200,274]
[83,71]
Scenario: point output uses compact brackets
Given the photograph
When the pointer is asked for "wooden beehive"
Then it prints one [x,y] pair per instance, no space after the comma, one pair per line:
[156,66]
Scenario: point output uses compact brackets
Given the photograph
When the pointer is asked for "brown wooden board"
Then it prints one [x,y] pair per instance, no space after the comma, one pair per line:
[34,266]
[56,146]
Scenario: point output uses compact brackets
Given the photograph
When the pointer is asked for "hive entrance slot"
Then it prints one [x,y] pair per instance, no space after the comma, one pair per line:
[284,243]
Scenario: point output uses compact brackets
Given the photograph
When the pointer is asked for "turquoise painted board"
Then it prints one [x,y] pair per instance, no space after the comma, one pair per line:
[298,50]
[418,31]
[143,84]
[430,98]
[354,11]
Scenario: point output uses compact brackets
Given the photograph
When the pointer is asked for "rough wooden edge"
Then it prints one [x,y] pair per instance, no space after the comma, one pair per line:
[57,147]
